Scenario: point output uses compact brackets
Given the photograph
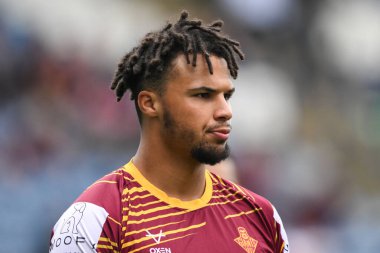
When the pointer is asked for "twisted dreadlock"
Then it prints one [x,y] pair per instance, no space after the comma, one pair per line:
[146,65]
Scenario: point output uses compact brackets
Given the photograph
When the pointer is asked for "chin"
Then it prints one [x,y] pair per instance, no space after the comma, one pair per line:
[210,154]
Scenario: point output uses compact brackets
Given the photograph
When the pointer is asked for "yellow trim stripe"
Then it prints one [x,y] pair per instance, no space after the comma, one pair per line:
[225,196]
[220,180]
[222,190]
[129,179]
[136,197]
[112,219]
[142,196]
[106,239]
[148,211]
[145,238]
[239,188]
[226,202]
[103,182]
[242,213]
[101,246]
[125,218]
[106,181]
[244,191]
[133,190]
[142,205]
[213,178]
[157,217]
[150,228]
[185,229]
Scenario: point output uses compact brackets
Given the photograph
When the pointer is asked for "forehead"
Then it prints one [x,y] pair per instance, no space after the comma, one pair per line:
[186,75]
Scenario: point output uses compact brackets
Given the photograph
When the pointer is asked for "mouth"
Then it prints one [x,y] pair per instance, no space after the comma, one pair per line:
[220,133]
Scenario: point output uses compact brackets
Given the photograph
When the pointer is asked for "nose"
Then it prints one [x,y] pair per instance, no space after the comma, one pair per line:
[223,111]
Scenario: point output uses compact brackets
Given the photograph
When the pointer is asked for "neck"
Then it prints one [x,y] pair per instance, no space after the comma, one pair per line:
[179,176]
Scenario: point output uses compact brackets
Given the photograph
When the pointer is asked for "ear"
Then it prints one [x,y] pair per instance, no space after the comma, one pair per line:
[149,103]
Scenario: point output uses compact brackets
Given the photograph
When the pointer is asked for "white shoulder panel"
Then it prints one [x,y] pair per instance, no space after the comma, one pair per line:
[284,236]
[79,228]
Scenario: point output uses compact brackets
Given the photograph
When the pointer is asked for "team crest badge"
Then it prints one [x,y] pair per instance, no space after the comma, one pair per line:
[245,241]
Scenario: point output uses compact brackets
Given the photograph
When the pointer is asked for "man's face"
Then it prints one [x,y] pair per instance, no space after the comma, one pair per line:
[196,110]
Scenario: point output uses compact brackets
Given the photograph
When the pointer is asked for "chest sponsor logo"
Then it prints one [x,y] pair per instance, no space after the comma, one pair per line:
[160,250]
[157,239]
[245,241]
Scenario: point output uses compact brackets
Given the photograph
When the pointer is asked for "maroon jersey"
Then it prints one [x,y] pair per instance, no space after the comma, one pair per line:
[123,212]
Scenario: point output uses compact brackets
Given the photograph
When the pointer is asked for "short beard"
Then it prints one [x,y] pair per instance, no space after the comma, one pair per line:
[206,154]
[202,152]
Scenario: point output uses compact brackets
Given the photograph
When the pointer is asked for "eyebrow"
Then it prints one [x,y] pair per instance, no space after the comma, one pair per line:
[208,89]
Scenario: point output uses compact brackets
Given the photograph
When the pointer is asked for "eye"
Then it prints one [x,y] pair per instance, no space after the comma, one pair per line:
[203,95]
[227,96]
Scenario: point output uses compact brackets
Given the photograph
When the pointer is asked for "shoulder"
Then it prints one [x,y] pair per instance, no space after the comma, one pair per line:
[262,201]
[109,186]
[94,219]
[250,196]
[104,197]
[257,202]
[107,192]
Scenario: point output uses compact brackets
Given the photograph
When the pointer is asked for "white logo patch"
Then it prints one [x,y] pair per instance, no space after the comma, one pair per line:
[78,229]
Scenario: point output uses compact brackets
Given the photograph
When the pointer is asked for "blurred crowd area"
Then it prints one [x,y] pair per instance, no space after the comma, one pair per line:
[306,124]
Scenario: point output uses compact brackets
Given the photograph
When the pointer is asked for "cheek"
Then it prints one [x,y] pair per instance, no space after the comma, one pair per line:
[190,115]
[196,118]
[191,123]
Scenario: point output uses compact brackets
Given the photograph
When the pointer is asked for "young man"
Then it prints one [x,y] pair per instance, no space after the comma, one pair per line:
[164,200]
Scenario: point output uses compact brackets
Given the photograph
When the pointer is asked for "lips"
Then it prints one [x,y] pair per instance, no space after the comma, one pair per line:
[221,133]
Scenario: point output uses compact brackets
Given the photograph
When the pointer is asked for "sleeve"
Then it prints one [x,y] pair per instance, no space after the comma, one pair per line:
[82,228]
[281,238]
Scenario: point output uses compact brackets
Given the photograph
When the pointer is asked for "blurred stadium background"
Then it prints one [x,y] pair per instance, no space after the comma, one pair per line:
[306,123]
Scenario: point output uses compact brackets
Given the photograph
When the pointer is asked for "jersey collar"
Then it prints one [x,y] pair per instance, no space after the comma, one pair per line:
[175,202]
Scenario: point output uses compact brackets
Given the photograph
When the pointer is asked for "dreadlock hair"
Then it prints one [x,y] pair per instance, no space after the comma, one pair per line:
[146,66]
